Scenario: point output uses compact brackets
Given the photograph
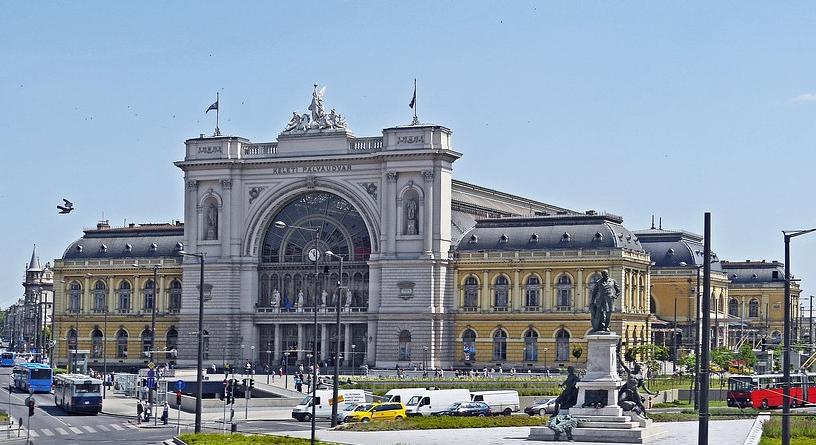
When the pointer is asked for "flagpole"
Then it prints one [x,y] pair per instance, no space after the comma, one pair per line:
[416,102]
[217,109]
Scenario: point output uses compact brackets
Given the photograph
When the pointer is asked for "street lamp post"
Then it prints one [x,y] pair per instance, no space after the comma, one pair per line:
[353,351]
[336,385]
[155,299]
[314,256]
[200,359]
[787,234]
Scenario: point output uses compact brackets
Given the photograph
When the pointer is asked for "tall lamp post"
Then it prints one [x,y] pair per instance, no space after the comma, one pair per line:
[155,268]
[314,256]
[353,350]
[336,385]
[200,360]
[787,234]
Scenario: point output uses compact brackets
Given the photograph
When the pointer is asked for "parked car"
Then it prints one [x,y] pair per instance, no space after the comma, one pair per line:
[433,399]
[501,401]
[466,409]
[378,411]
[323,409]
[349,408]
[541,407]
[447,411]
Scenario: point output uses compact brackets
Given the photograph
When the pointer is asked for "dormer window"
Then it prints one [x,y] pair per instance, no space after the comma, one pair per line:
[733,276]
[154,247]
[565,237]
[754,276]
[503,239]
[473,239]
[128,248]
[79,248]
[670,252]
[103,248]
[534,238]
[598,236]
[775,275]
[179,246]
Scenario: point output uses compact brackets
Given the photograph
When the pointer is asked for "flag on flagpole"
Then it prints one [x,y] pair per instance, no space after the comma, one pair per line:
[214,106]
[413,98]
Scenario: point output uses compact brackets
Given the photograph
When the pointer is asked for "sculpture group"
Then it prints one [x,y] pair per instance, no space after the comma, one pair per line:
[316,118]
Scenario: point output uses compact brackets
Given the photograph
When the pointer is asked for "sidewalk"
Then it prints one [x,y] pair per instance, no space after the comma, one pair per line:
[122,406]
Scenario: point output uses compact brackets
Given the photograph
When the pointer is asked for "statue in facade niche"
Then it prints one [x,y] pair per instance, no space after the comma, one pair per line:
[323,296]
[603,295]
[348,298]
[410,217]
[211,226]
[276,298]
[300,298]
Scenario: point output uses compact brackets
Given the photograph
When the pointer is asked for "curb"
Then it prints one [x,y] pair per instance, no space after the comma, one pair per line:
[756,430]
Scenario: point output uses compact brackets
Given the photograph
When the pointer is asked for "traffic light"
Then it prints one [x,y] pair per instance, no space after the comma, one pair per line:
[178,399]
[30,406]
[251,384]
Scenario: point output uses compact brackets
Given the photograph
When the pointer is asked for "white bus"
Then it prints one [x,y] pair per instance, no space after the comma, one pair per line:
[77,393]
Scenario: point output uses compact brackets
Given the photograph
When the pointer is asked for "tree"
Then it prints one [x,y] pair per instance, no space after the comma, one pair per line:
[746,355]
[687,363]
[722,357]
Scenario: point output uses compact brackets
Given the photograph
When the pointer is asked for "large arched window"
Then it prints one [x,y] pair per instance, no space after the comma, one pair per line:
[171,341]
[147,341]
[72,339]
[532,293]
[564,292]
[733,307]
[405,345]
[753,308]
[500,345]
[121,344]
[206,344]
[471,294]
[175,296]
[562,345]
[100,294]
[96,343]
[124,297]
[149,295]
[74,297]
[469,344]
[530,345]
[501,293]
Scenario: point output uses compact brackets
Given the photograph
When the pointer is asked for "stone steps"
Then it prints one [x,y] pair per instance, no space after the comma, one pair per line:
[610,425]
[634,435]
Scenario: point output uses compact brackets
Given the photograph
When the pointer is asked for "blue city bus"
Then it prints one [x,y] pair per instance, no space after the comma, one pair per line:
[7,359]
[77,393]
[32,377]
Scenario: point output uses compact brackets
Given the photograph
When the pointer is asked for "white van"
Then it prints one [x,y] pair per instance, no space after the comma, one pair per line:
[432,400]
[500,402]
[402,395]
[323,403]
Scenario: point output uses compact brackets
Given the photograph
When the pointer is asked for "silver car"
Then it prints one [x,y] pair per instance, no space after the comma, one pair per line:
[349,408]
[541,407]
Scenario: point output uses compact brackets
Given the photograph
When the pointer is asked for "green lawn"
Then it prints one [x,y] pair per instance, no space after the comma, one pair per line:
[688,415]
[241,439]
[446,422]
[803,431]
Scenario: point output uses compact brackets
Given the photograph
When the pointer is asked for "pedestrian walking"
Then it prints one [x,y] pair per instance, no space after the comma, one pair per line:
[165,413]
[139,410]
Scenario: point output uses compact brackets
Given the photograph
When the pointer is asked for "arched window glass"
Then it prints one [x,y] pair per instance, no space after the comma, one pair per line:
[530,346]
[263,298]
[175,296]
[469,344]
[149,294]
[405,345]
[500,345]
[74,297]
[121,344]
[147,341]
[733,307]
[753,308]
[99,296]
[96,344]
[72,339]
[501,293]
[172,340]
[124,297]
[471,293]
[562,345]
[532,292]
[206,345]
[564,292]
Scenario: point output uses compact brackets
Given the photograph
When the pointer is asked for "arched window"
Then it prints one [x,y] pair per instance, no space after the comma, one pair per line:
[147,341]
[562,345]
[469,344]
[263,297]
[210,223]
[149,294]
[124,297]
[532,293]
[500,345]
[206,344]
[530,345]
[753,308]
[471,294]
[175,296]
[96,343]
[74,297]
[72,339]
[405,345]
[564,292]
[99,296]
[652,306]
[501,293]
[171,341]
[121,344]
[733,307]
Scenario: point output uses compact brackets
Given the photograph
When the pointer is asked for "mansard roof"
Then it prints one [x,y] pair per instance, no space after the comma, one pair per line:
[133,241]
[752,271]
[675,248]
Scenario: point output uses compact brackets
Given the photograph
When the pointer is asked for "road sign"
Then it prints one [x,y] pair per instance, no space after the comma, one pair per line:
[151,382]
[151,365]
[179,385]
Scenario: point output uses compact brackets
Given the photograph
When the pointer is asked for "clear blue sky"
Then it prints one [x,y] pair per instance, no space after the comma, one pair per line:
[635,108]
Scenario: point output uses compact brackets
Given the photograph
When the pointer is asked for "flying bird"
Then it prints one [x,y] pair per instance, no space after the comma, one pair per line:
[67,207]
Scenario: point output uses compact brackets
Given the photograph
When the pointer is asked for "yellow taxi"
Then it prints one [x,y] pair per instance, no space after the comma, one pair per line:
[378,411]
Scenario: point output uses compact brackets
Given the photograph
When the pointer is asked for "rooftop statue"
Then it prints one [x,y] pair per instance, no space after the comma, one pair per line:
[316,119]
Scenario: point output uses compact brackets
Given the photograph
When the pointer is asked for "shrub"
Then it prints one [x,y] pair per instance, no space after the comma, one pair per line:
[447,422]
[242,439]
[801,427]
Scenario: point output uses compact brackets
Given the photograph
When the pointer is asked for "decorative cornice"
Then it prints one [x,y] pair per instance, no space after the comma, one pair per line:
[226,184]
[192,184]
[428,175]
[391,176]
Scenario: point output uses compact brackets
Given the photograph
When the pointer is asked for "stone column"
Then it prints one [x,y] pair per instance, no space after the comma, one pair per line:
[110,299]
[347,345]
[160,303]
[276,343]
[515,298]
[580,299]
[370,346]
[301,343]
[428,175]
[324,341]
[136,293]
[86,294]
[389,202]
[484,298]
[548,289]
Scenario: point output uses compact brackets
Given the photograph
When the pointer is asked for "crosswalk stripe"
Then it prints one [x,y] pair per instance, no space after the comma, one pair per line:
[47,432]
[75,429]
[131,426]
[33,433]
[62,431]
[103,427]
[89,429]
[116,427]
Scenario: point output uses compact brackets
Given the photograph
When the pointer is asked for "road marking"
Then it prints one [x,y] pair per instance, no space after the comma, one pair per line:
[131,426]
[75,429]
[47,432]
[89,429]
[103,427]
[33,433]
[62,431]
[116,427]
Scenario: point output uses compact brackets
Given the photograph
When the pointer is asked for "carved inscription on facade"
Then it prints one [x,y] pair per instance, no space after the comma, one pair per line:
[209,149]
[411,140]
[333,168]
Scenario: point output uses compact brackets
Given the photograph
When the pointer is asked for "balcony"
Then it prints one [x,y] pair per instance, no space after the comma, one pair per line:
[470,309]
[308,309]
[563,308]
[500,308]
[123,310]
[532,308]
